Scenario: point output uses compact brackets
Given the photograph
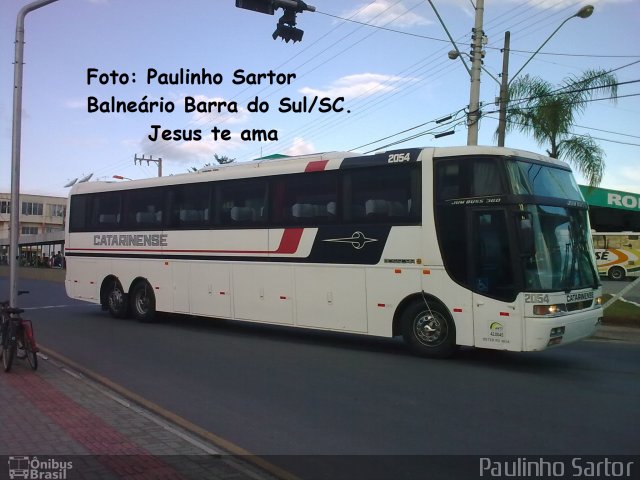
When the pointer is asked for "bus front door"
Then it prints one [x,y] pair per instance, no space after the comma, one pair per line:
[496,313]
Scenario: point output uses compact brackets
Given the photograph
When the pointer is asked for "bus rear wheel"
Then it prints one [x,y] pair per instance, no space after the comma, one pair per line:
[617,273]
[428,330]
[117,303]
[143,302]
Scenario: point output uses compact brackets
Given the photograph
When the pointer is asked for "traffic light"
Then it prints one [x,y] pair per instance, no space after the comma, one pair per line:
[286,28]
[288,33]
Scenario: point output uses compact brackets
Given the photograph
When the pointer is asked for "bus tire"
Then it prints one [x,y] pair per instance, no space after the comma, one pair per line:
[143,302]
[117,302]
[617,273]
[428,330]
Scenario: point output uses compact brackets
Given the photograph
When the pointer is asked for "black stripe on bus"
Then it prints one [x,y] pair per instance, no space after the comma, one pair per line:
[390,157]
[332,245]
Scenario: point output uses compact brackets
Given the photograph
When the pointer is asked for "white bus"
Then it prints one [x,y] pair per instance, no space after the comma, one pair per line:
[478,246]
[617,254]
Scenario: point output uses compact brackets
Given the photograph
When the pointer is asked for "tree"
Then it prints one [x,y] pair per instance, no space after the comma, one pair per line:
[546,112]
[221,159]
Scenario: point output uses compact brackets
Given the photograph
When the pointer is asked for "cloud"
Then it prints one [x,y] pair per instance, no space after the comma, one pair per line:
[75,103]
[300,147]
[384,12]
[359,85]
[626,179]
[191,153]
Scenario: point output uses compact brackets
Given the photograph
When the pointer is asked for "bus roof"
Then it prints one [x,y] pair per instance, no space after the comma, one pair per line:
[298,164]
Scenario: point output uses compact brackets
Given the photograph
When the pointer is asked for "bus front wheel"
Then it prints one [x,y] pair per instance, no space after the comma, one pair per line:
[617,273]
[428,330]
[143,302]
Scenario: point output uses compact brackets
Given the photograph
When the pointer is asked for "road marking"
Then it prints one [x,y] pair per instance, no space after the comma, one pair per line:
[230,448]
[56,306]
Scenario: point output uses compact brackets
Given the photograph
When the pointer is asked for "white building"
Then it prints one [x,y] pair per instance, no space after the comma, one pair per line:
[41,225]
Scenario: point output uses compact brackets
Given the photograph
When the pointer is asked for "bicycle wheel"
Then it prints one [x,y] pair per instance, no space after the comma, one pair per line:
[29,347]
[3,328]
[8,352]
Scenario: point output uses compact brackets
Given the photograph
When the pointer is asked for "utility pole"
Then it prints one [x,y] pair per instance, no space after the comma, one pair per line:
[158,161]
[473,117]
[504,90]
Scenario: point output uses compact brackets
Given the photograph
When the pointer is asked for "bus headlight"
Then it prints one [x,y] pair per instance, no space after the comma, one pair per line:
[599,301]
[549,309]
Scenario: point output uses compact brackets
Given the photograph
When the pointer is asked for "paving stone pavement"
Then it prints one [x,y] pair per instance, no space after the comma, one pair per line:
[56,423]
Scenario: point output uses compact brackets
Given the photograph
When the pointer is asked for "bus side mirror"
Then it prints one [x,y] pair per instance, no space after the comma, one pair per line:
[526,238]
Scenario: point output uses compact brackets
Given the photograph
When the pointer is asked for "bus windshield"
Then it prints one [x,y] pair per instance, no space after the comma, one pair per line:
[527,178]
[562,257]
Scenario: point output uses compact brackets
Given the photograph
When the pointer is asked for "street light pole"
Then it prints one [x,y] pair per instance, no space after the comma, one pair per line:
[15,149]
[584,12]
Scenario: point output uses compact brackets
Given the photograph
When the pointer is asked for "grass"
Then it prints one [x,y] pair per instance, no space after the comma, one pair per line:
[621,313]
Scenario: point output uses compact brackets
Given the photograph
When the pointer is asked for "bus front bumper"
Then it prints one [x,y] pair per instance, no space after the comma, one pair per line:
[545,332]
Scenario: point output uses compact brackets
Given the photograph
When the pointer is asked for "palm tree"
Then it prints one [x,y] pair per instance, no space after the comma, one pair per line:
[538,108]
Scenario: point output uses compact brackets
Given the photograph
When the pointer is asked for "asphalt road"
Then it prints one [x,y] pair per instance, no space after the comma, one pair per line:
[295,395]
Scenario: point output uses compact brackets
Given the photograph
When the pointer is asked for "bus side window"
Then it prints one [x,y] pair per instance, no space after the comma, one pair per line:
[600,241]
[105,211]
[144,209]
[242,203]
[448,183]
[305,199]
[385,195]
[190,206]
[78,217]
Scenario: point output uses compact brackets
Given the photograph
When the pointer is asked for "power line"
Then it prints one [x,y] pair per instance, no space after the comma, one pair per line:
[585,101]
[558,54]
[384,28]
[590,136]
[451,118]
[401,32]
[607,140]
[608,131]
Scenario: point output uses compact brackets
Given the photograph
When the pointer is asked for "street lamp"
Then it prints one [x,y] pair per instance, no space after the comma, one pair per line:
[15,148]
[473,116]
[584,12]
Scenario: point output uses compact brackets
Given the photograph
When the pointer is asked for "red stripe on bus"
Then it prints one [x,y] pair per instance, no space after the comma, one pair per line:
[316,166]
[290,240]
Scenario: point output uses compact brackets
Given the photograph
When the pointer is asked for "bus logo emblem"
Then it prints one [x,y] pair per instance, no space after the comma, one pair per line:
[357,240]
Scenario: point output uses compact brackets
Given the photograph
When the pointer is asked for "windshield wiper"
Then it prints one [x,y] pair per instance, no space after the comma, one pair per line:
[569,248]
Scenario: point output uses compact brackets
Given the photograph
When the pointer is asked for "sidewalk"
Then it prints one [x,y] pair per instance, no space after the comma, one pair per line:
[56,423]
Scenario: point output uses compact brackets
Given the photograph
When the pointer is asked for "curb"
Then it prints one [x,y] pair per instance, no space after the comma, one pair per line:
[196,435]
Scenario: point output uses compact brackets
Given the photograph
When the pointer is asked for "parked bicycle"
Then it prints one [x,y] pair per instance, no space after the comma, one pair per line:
[16,336]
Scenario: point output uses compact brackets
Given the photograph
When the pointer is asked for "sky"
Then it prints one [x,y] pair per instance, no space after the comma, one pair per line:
[387,74]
